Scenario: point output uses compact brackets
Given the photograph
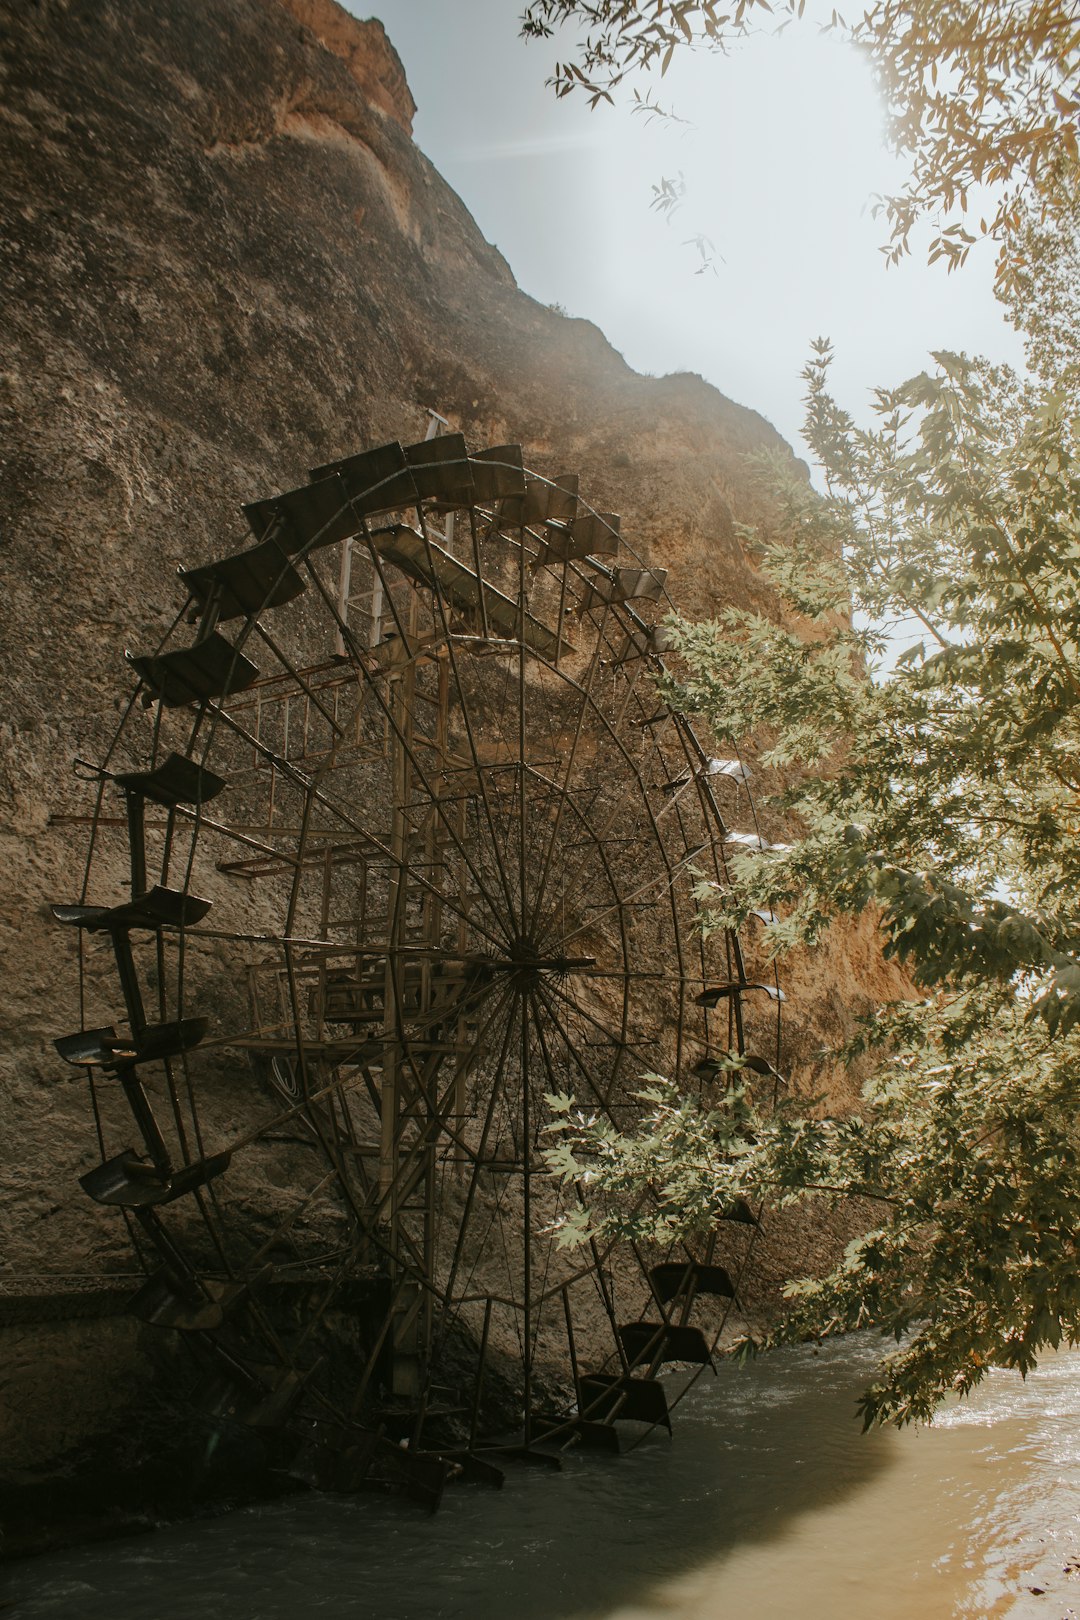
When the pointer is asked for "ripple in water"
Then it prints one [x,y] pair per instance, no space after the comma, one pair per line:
[769,1505]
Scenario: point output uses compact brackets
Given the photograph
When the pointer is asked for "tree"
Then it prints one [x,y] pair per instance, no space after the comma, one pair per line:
[1042,296]
[947,796]
[944,793]
[979,94]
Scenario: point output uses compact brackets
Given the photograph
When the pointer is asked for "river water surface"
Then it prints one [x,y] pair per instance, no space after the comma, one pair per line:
[768,1505]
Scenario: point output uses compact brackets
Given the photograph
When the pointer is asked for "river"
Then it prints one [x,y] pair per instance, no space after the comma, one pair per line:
[768,1505]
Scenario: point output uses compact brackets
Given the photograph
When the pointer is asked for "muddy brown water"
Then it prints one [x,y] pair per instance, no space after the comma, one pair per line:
[768,1505]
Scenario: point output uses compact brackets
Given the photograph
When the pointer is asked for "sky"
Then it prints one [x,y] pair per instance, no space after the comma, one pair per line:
[781,157]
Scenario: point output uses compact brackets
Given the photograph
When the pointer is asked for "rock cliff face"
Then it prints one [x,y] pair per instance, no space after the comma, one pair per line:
[224,262]
[365,50]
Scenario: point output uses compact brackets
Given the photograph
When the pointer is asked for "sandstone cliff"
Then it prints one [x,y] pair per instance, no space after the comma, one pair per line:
[224,262]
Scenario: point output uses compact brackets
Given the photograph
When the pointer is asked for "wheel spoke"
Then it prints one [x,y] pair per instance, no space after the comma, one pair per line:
[429,846]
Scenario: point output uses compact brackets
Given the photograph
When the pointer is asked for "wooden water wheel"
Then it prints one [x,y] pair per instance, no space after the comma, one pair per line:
[395,843]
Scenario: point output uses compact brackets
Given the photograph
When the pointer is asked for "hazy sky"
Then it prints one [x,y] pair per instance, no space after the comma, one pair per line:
[780,163]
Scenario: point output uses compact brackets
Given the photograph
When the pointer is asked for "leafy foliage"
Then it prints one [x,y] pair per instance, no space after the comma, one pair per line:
[950,793]
[967,1151]
[980,93]
[946,795]
[1042,294]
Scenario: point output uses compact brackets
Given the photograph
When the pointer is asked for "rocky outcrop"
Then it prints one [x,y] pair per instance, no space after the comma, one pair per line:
[224,262]
[366,52]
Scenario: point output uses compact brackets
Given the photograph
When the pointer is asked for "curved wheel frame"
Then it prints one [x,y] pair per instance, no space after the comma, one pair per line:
[428,867]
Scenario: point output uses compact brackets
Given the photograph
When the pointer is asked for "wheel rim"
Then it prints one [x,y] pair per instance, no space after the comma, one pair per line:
[453,876]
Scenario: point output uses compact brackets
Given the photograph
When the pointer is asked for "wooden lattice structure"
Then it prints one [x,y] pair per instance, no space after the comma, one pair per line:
[393,844]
